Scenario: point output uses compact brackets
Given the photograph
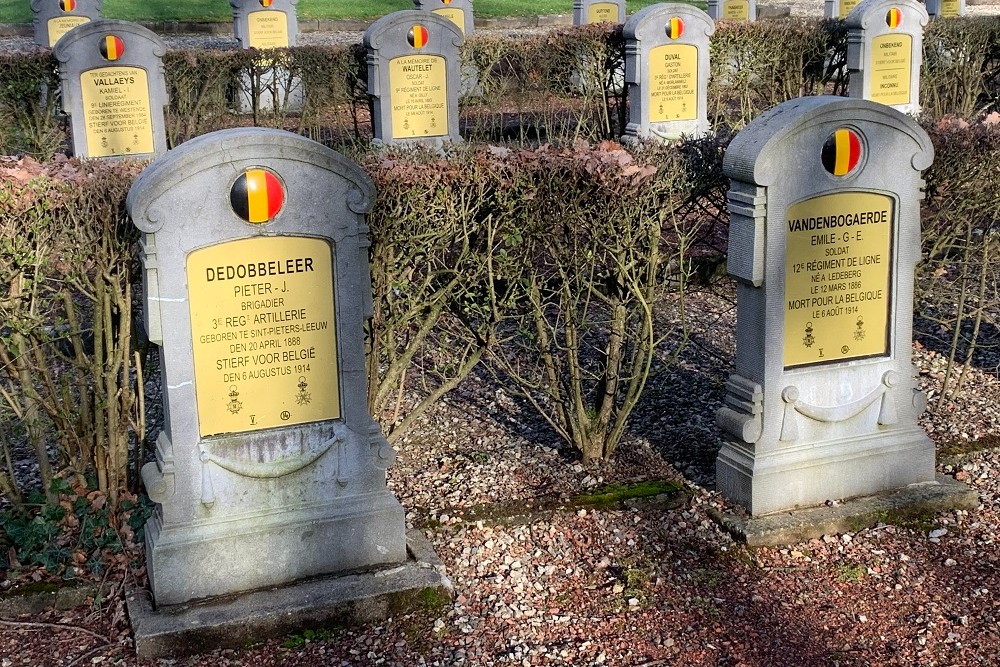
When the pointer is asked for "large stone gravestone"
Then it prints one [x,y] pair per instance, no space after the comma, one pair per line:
[824,237]
[838,9]
[586,12]
[667,70]
[945,9]
[113,89]
[269,467]
[54,18]
[458,12]
[414,78]
[733,10]
[265,24]
[884,52]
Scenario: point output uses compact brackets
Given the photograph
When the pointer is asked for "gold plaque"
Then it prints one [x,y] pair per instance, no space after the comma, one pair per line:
[673,83]
[263,334]
[846,6]
[838,259]
[116,111]
[418,93]
[602,12]
[267,30]
[890,69]
[736,10]
[455,15]
[948,8]
[60,25]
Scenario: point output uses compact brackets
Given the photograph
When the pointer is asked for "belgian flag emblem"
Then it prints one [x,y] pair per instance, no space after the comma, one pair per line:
[842,152]
[417,37]
[257,196]
[446,2]
[893,17]
[67,5]
[266,3]
[112,47]
[676,28]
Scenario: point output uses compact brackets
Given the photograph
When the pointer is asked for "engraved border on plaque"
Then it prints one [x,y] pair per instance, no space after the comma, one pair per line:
[263,333]
[838,278]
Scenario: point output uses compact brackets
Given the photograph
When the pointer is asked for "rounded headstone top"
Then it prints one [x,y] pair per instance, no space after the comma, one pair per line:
[874,14]
[104,27]
[239,147]
[758,153]
[259,4]
[649,20]
[397,24]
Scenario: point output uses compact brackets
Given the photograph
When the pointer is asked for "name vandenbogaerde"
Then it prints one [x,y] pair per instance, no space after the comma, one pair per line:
[839,220]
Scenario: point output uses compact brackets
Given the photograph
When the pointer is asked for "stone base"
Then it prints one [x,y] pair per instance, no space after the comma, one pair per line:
[188,562]
[236,621]
[800,525]
[807,474]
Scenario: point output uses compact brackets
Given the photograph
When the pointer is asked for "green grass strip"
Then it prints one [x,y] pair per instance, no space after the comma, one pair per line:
[19,11]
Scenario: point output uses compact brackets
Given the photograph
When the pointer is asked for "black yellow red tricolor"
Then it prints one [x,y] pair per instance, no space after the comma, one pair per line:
[446,2]
[842,152]
[417,36]
[67,5]
[266,3]
[893,17]
[676,28]
[257,196]
[112,47]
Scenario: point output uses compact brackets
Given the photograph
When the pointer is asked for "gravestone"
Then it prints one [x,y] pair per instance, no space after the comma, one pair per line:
[884,52]
[54,18]
[265,24]
[269,467]
[838,9]
[113,89]
[733,10]
[945,9]
[458,12]
[586,12]
[414,78]
[667,70]
[824,238]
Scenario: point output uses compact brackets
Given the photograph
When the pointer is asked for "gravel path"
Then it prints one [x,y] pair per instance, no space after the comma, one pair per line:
[638,585]
[641,584]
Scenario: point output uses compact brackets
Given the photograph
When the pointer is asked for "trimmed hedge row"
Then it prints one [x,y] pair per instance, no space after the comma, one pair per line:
[527,91]
[557,256]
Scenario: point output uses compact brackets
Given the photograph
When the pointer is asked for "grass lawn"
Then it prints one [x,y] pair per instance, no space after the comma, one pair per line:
[19,11]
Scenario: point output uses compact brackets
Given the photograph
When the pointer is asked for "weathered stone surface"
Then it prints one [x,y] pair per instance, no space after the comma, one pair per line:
[459,12]
[352,598]
[114,89]
[733,10]
[907,503]
[598,11]
[884,52]
[265,24]
[667,70]
[34,599]
[945,9]
[54,18]
[414,78]
[269,468]
[824,238]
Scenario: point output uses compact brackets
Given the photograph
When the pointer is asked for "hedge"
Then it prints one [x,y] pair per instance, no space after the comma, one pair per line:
[527,83]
